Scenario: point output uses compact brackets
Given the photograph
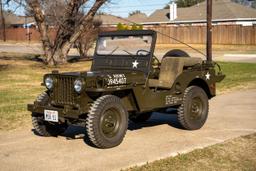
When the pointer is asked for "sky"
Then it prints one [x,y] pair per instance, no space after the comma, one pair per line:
[120,7]
[124,7]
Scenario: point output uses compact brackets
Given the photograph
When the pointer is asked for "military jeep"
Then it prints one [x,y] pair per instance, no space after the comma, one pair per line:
[126,82]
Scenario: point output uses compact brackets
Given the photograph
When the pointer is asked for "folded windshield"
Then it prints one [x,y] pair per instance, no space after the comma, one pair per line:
[124,45]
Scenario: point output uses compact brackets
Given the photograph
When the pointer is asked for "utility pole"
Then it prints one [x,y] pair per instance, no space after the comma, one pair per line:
[3,20]
[27,27]
[209,31]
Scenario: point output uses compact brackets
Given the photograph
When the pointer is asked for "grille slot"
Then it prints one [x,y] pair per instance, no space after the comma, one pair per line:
[63,92]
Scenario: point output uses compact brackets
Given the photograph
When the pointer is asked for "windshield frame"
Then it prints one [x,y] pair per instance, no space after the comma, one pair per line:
[128,33]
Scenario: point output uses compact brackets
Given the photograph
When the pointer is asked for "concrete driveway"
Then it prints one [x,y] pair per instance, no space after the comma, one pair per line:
[231,115]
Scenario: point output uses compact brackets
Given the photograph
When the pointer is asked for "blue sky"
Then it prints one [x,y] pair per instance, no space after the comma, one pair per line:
[122,7]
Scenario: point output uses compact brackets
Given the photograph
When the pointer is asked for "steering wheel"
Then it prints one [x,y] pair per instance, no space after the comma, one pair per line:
[142,50]
[155,62]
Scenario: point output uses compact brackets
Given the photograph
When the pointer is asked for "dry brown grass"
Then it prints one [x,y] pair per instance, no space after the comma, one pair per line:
[20,80]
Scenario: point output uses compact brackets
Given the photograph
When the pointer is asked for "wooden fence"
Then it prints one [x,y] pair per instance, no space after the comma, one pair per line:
[22,35]
[222,34]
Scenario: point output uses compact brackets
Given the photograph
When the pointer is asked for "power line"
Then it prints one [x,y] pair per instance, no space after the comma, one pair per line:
[148,5]
[122,8]
[118,6]
[127,12]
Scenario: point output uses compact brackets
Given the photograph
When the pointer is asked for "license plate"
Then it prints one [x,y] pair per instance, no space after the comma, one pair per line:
[51,115]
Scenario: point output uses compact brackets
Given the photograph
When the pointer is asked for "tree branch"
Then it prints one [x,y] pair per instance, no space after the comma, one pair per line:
[41,23]
[87,20]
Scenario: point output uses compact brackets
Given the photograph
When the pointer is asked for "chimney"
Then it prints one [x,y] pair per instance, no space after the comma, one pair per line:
[173,11]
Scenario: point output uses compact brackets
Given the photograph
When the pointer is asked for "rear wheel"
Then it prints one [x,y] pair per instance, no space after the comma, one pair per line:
[176,53]
[193,112]
[107,122]
[143,117]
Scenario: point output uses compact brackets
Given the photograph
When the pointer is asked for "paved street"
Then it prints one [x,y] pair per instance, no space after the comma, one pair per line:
[218,56]
[21,48]
[35,48]
[231,115]
[251,58]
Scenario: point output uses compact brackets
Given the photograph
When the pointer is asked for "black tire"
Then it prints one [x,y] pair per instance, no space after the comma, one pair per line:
[107,122]
[193,112]
[42,99]
[47,129]
[143,117]
[176,53]
[44,128]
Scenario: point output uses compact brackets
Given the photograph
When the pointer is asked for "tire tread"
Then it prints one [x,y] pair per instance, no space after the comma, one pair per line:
[181,109]
[93,115]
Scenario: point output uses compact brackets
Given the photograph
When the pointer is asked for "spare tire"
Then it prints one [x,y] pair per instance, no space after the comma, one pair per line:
[176,53]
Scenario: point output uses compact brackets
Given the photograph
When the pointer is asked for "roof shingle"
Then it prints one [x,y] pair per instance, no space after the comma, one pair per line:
[138,18]
[13,19]
[222,10]
[108,19]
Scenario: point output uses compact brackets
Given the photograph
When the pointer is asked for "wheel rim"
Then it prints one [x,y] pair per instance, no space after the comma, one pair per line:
[196,109]
[110,122]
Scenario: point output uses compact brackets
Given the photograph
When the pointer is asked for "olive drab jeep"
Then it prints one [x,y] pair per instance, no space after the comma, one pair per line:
[126,82]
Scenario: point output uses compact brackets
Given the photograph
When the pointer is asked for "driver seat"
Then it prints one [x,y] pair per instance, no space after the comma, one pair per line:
[171,68]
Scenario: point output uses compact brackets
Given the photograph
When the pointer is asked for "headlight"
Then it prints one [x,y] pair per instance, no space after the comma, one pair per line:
[78,85]
[49,82]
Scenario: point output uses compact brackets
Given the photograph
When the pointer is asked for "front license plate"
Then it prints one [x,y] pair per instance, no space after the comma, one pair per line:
[51,115]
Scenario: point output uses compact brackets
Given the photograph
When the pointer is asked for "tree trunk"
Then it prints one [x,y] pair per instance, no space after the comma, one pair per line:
[58,56]
[80,48]
[49,59]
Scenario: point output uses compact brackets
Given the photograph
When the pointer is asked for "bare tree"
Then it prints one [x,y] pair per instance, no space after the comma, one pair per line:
[69,30]
[71,22]
[135,12]
[87,39]
[2,20]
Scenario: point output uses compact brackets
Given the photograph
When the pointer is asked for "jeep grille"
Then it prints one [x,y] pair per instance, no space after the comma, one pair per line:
[63,91]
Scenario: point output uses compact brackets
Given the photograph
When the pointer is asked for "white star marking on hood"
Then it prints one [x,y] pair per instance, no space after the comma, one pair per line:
[135,64]
[208,75]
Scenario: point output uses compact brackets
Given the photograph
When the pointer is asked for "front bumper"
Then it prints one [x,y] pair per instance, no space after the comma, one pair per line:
[62,112]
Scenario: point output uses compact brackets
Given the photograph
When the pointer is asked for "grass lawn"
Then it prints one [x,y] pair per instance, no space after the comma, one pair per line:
[237,154]
[238,76]
[20,79]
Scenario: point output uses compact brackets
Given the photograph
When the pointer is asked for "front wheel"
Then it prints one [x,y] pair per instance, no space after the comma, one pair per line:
[46,129]
[107,122]
[193,112]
